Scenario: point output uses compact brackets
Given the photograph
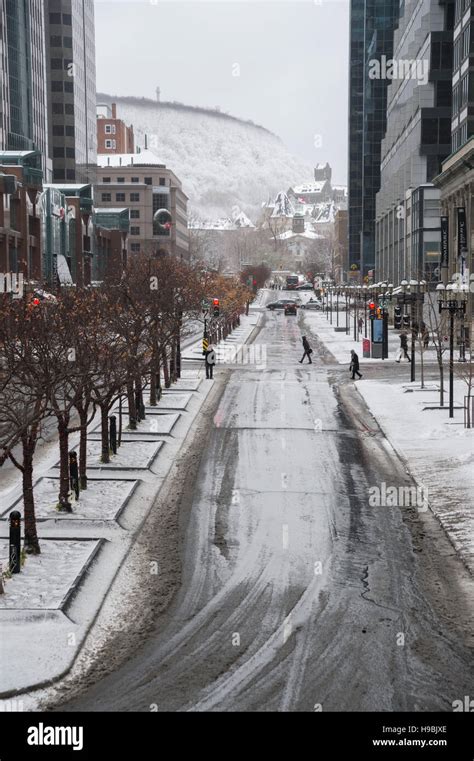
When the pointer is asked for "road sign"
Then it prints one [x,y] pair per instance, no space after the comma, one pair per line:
[205,345]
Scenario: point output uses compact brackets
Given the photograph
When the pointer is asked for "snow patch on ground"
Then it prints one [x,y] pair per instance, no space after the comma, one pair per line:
[101,500]
[46,579]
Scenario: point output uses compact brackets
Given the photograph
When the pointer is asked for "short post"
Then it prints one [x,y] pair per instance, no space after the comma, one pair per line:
[15,539]
[113,433]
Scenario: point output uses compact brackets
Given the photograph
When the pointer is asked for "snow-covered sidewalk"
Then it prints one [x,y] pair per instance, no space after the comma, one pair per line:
[438,451]
[340,344]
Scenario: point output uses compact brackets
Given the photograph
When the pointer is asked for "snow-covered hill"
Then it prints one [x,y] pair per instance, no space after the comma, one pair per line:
[223,162]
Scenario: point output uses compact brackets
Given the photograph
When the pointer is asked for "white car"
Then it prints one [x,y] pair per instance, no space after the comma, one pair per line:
[311,304]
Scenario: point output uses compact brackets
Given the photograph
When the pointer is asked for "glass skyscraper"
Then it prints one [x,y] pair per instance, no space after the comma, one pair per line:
[23,116]
[70,37]
[372,24]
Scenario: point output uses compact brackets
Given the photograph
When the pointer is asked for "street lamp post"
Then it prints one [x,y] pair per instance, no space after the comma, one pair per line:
[346,293]
[414,285]
[331,292]
[453,300]
[338,290]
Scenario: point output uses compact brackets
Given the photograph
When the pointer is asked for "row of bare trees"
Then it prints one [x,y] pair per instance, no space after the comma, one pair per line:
[65,360]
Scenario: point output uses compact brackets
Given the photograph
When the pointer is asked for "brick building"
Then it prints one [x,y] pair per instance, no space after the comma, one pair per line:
[21,182]
[113,135]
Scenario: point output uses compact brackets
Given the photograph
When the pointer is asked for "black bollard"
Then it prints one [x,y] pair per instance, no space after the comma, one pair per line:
[15,539]
[113,433]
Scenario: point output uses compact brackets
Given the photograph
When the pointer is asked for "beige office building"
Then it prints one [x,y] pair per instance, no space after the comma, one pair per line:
[139,182]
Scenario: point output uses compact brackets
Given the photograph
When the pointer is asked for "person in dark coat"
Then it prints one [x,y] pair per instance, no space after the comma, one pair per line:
[307,351]
[74,473]
[210,361]
[403,351]
[354,366]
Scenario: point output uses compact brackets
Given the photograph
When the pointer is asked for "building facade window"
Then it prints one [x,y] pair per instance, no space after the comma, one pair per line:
[135,197]
[134,213]
[134,230]
[106,197]
[135,248]
[120,197]
[148,180]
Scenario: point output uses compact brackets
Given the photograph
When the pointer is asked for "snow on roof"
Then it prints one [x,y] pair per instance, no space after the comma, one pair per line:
[144,158]
[310,187]
[236,222]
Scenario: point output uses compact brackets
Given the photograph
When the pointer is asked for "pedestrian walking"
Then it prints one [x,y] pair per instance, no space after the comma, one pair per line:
[425,335]
[360,323]
[210,361]
[354,366]
[74,473]
[307,351]
[403,351]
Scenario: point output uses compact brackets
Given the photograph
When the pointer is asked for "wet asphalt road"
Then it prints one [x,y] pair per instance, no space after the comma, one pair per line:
[297,594]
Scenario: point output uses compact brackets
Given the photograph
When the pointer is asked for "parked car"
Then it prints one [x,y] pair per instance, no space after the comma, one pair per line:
[290,309]
[304,287]
[312,304]
[280,304]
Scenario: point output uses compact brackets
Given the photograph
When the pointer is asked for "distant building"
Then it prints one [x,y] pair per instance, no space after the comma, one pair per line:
[70,55]
[23,93]
[311,192]
[79,230]
[113,135]
[322,172]
[140,182]
[111,229]
[21,182]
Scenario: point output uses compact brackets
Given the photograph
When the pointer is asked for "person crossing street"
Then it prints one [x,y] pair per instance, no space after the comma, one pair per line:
[210,361]
[307,351]
[354,366]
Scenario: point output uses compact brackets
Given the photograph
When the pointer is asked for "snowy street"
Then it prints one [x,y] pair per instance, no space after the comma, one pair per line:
[297,592]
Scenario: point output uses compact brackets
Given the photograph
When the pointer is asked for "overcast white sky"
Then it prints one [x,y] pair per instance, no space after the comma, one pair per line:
[292,58]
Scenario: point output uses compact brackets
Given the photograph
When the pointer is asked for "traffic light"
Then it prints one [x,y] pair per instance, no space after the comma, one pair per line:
[371,310]
[406,320]
[215,307]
